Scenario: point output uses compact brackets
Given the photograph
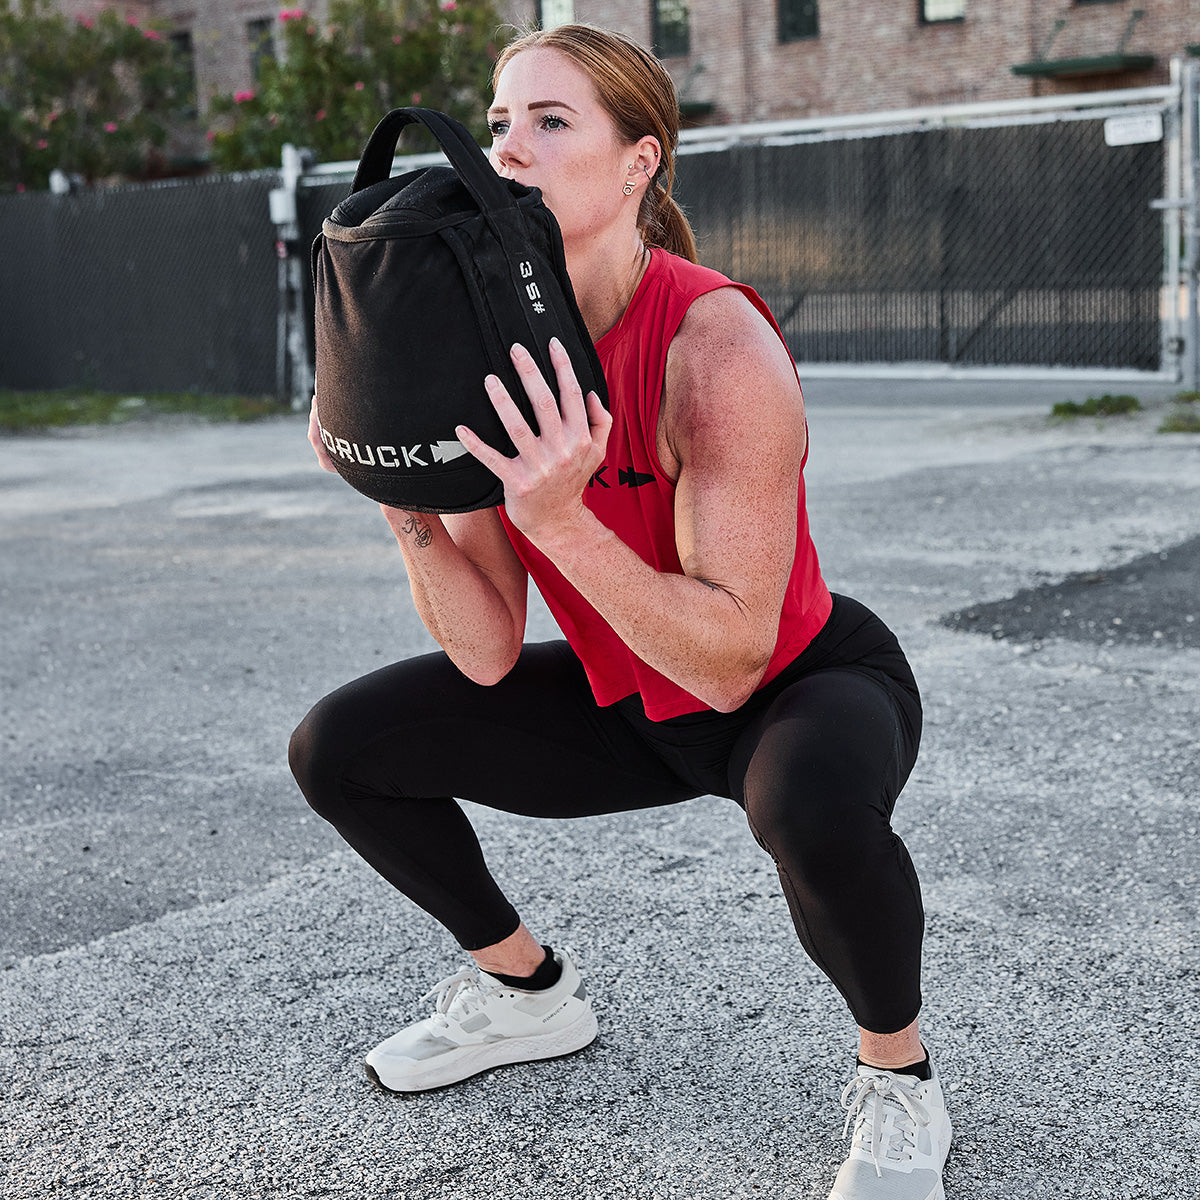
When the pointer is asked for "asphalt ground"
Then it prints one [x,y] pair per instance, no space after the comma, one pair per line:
[193,964]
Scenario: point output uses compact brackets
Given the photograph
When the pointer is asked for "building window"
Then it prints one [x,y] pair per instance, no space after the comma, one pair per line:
[552,13]
[798,20]
[670,28]
[261,36]
[185,57]
[935,11]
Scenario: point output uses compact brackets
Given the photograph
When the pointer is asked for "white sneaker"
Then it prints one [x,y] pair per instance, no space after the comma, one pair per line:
[480,1023]
[900,1139]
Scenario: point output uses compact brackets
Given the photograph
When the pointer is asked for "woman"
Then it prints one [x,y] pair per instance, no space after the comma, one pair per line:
[703,652]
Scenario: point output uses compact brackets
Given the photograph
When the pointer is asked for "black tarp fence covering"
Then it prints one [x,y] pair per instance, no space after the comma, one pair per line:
[1016,245]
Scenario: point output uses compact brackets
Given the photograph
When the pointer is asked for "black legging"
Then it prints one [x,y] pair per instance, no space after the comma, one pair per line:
[816,759]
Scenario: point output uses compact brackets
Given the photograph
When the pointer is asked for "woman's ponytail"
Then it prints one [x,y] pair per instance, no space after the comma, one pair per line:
[665,226]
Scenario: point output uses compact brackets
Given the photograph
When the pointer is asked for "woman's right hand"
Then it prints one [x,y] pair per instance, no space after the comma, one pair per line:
[314,437]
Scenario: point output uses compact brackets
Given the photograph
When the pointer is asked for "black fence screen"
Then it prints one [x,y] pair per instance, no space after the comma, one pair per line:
[1014,246]
[1019,245]
[164,287]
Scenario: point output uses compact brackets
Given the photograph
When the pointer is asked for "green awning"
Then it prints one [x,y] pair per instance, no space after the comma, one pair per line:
[1101,64]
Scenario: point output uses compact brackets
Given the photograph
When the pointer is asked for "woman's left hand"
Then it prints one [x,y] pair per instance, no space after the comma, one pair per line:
[544,483]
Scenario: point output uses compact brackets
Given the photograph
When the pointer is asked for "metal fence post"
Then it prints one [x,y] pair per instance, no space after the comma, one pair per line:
[1191,223]
[1173,336]
[293,376]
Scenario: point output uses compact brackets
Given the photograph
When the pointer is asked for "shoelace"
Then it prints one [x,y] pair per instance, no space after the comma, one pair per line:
[456,996]
[874,1098]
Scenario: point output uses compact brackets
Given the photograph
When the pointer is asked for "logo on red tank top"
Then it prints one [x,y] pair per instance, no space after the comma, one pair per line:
[626,477]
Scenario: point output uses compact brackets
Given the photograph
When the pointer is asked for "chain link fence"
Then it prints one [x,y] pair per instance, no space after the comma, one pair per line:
[1026,245]
[993,244]
[158,287]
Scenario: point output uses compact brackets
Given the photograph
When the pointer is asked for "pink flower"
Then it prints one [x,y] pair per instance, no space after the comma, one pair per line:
[110,127]
[20,187]
[448,5]
[358,87]
[416,98]
[153,35]
[320,114]
[131,21]
[52,117]
[242,97]
[211,134]
[291,14]
[42,143]
[86,22]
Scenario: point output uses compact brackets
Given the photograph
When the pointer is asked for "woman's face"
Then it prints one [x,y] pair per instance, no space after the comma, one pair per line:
[550,131]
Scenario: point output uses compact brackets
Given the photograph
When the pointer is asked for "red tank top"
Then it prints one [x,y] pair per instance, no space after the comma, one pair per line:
[634,498]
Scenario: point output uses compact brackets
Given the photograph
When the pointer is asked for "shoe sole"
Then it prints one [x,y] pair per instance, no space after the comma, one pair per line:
[473,1060]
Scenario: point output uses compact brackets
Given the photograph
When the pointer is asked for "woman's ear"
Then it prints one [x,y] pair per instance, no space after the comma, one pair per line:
[648,157]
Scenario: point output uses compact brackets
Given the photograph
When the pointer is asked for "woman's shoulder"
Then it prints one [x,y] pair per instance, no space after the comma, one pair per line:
[685,275]
[713,304]
[730,379]
[729,329]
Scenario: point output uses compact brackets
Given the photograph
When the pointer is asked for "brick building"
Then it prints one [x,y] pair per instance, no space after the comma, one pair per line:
[754,60]
[751,60]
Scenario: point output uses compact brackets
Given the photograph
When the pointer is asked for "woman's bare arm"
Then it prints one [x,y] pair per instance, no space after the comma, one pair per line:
[468,585]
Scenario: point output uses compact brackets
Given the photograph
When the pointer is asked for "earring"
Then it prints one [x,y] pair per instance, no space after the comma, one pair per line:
[628,189]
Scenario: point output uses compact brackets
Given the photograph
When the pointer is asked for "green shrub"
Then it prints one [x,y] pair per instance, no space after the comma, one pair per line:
[1098,406]
[335,79]
[1181,420]
[93,95]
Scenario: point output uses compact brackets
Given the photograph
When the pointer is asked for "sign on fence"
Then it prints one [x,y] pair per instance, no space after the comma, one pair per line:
[1133,129]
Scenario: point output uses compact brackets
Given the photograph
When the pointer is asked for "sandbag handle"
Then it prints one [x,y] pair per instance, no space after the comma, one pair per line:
[460,147]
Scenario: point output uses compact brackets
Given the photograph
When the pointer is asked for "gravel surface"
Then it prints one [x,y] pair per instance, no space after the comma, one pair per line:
[193,964]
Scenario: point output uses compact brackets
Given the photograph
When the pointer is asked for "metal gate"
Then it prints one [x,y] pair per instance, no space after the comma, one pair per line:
[1019,237]
[1039,237]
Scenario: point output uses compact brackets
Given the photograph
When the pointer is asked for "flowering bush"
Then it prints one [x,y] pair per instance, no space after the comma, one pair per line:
[94,97]
[331,85]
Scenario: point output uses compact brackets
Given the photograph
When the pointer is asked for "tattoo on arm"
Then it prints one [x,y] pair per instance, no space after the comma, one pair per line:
[420,531]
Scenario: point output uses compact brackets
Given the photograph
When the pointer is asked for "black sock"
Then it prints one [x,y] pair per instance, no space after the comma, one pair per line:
[922,1070]
[546,976]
